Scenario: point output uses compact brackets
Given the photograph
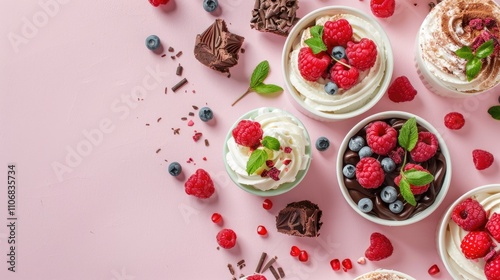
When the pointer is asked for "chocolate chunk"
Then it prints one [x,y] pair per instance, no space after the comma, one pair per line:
[276,16]
[299,219]
[218,48]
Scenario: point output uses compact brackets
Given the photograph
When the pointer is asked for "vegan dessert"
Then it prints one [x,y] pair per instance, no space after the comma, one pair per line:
[274,16]
[300,218]
[451,55]
[267,151]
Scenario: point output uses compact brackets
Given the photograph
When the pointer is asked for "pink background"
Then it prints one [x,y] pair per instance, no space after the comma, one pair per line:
[76,67]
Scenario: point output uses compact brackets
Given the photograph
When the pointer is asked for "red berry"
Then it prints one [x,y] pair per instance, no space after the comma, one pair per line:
[312,66]
[401,90]
[493,226]
[216,218]
[369,173]
[362,55]
[256,277]
[414,189]
[248,133]
[476,244]
[381,137]
[492,268]
[433,270]
[200,184]
[482,159]
[346,264]
[267,204]
[294,251]
[454,120]
[397,155]
[226,238]
[426,147]
[337,33]
[469,215]
[383,8]
[380,247]
[343,76]
[157,3]
[303,256]
[261,230]
[335,264]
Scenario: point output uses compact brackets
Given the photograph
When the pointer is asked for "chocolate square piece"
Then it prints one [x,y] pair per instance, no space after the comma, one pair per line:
[299,219]
[276,16]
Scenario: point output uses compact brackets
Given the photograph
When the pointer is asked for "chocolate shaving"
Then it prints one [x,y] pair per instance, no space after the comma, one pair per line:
[263,257]
[206,143]
[178,72]
[273,271]
[157,151]
[179,54]
[184,119]
[268,264]
[231,269]
[179,84]
[163,55]
[166,89]
[158,120]
[275,16]
[191,114]
[170,49]
[172,57]
[195,107]
[281,272]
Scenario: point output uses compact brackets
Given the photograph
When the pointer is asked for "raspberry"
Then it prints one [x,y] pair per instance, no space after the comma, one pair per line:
[256,277]
[343,76]
[492,268]
[157,3]
[401,90]
[369,173]
[382,8]
[200,184]
[469,215]
[380,247]
[476,244]
[482,159]
[248,133]
[414,189]
[397,155]
[426,147]
[493,226]
[312,66]
[226,238]
[337,33]
[454,120]
[381,137]
[363,54]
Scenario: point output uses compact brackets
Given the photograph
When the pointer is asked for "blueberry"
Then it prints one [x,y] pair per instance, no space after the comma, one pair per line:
[153,42]
[206,114]
[356,143]
[365,152]
[338,52]
[388,164]
[174,169]
[396,207]
[349,171]
[322,143]
[210,5]
[389,194]
[331,88]
[365,205]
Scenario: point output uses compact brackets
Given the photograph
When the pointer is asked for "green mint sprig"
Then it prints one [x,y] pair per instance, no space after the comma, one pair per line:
[257,82]
[316,41]
[259,156]
[407,139]
[474,61]
[494,112]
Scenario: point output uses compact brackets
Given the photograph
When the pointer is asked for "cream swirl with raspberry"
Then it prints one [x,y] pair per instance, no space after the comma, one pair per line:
[369,81]
[289,159]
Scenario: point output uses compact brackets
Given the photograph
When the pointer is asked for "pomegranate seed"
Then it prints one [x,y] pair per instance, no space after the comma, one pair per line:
[335,264]
[261,230]
[303,256]
[295,251]
[216,218]
[433,270]
[346,264]
[361,260]
[267,204]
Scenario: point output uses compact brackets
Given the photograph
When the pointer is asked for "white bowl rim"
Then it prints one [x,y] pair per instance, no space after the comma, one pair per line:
[383,270]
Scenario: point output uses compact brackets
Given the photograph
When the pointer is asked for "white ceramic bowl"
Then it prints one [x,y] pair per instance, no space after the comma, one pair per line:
[449,235]
[284,187]
[359,103]
[410,218]
[390,274]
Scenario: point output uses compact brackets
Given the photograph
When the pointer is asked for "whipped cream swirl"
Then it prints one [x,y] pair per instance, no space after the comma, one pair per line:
[290,133]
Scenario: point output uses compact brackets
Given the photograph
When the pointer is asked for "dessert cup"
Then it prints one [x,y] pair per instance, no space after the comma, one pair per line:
[384,274]
[446,29]
[310,97]
[290,131]
[439,165]
[449,234]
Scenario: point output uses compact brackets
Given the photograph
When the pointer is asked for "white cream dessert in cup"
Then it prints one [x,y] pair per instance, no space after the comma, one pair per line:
[449,27]
[384,274]
[310,96]
[279,158]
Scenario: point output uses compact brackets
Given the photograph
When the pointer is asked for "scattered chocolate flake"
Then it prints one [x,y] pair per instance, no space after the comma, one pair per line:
[170,49]
[242,275]
[184,119]
[281,272]
[190,123]
[234,278]
[163,55]
[178,72]
[158,120]
[176,130]
[241,264]
[277,17]
[166,89]
[179,54]
[195,107]
[274,272]
[179,84]
[194,91]
[147,124]
[242,50]
[191,114]
[269,264]
[263,257]
[218,248]
[206,143]
[231,269]
[157,151]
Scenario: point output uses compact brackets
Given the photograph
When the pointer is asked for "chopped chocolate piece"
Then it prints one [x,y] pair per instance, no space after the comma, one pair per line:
[231,269]
[195,107]
[191,114]
[163,55]
[281,272]
[157,151]
[179,54]
[241,262]
[276,16]
[184,119]
[261,262]
[217,48]
[268,264]
[242,50]
[158,120]
[166,89]
[299,219]
[170,49]
[178,72]
[179,84]
[274,272]
[206,142]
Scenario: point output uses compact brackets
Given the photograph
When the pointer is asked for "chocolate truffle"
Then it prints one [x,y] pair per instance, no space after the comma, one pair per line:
[218,48]
[276,16]
[300,218]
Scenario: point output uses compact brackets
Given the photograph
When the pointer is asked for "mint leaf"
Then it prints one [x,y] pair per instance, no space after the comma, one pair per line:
[271,143]
[408,134]
[316,31]
[418,178]
[259,74]
[472,68]
[256,160]
[267,89]
[404,189]
[494,111]
[465,52]
[316,44]
[485,49]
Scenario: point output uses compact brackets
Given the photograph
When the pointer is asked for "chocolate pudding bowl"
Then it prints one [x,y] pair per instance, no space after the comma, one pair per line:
[358,195]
